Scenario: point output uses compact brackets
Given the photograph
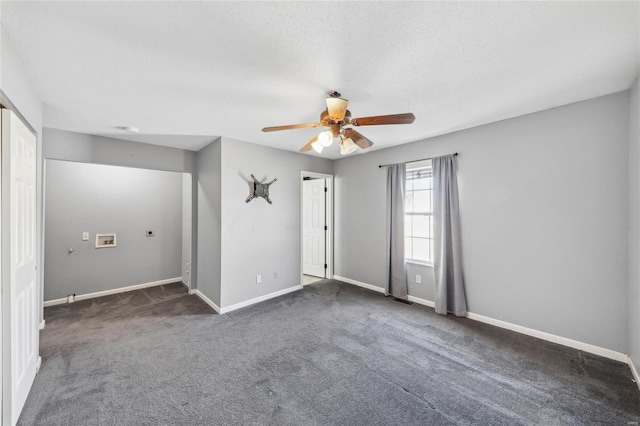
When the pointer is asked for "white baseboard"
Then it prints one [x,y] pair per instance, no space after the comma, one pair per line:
[634,372]
[113,291]
[359,284]
[586,347]
[205,299]
[246,303]
[377,289]
[42,324]
[420,301]
[255,300]
[38,364]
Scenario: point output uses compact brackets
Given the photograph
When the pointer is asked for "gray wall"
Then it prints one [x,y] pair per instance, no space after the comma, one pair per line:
[98,199]
[15,84]
[259,238]
[543,204]
[71,146]
[209,220]
[634,224]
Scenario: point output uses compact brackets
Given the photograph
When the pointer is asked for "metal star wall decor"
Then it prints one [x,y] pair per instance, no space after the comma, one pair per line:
[259,190]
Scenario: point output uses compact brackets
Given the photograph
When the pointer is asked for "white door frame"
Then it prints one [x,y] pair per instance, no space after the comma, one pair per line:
[187,230]
[328,218]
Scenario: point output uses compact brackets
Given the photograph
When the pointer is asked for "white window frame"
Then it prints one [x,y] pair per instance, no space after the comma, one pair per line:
[410,167]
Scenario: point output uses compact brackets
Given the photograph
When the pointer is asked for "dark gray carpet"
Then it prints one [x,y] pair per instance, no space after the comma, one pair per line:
[331,354]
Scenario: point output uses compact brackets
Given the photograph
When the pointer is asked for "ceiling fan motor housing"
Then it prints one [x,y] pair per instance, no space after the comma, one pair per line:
[326,120]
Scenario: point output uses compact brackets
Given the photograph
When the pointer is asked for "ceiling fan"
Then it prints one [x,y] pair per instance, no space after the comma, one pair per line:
[335,117]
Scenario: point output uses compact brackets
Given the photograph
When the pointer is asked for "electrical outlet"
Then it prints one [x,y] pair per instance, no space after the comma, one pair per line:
[418,279]
[258,279]
[275,274]
[85,236]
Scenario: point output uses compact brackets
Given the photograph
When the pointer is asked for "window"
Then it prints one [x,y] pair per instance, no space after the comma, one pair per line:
[418,222]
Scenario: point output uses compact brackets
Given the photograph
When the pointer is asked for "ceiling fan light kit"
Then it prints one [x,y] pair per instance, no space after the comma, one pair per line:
[336,106]
[325,138]
[335,117]
[347,146]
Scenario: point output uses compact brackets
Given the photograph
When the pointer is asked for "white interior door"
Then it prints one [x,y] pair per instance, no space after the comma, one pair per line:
[20,318]
[313,227]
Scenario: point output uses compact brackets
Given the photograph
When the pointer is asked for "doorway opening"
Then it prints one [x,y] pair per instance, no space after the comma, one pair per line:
[146,212]
[316,223]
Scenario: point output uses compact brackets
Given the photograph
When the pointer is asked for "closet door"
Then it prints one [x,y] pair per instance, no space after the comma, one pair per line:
[19,295]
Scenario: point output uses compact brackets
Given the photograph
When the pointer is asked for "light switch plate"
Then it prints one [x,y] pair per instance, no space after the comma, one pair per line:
[85,236]
[418,279]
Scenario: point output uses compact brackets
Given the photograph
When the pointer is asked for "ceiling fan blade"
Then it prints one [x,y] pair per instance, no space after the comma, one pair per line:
[357,138]
[406,118]
[308,146]
[291,126]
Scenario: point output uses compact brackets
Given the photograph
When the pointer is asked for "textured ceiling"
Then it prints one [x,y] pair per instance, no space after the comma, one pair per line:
[231,68]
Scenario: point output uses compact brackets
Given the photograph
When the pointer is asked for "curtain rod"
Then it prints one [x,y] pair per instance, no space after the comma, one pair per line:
[455,154]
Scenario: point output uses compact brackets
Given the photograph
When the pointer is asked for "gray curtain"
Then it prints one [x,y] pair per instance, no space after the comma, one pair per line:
[447,261]
[397,283]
